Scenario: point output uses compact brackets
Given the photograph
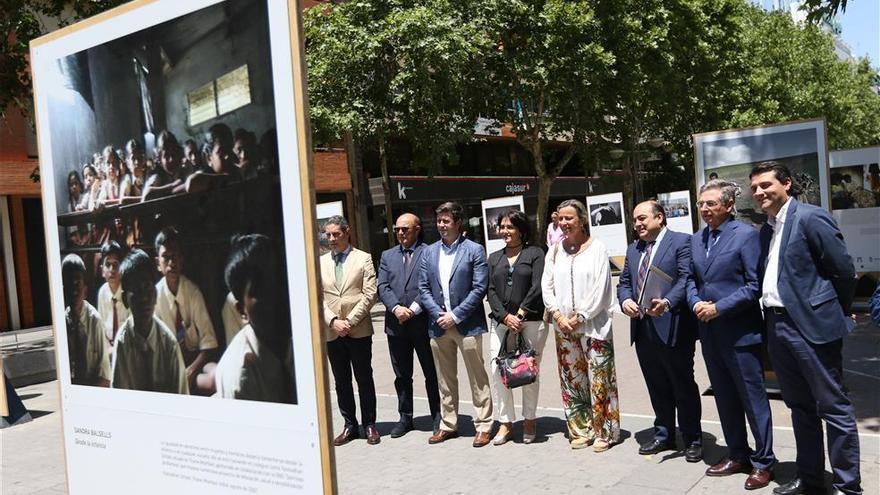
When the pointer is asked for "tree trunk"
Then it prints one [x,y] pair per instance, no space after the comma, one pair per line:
[359,191]
[545,183]
[628,190]
[386,190]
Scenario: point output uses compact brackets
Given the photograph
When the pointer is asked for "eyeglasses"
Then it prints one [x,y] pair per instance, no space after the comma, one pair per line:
[400,230]
[509,276]
[707,204]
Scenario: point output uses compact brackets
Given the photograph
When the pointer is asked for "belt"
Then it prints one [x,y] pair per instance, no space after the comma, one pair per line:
[778,311]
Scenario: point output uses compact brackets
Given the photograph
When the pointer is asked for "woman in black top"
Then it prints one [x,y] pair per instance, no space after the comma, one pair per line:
[517,305]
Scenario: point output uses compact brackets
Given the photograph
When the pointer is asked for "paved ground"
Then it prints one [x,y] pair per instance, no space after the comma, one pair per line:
[32,460]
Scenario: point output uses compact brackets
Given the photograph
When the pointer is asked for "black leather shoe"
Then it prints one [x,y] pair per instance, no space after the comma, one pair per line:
[348,434]
[655,446]
[694,453]
[401,428]
[798,487]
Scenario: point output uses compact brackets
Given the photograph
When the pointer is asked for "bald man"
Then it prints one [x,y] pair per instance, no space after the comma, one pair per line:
[405,322]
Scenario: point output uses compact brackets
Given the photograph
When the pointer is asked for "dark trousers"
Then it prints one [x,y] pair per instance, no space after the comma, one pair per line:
[737,377]
[811,377]
[401,348]
[669,375]
[347,354]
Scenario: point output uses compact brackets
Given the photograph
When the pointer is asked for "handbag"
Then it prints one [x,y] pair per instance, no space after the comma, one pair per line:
[519,366]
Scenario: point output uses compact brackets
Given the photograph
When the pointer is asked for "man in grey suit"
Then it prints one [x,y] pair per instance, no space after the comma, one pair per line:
[406,324]
[453,279]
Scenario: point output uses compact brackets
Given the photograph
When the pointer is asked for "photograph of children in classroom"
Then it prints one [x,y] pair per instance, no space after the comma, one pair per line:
[169,210]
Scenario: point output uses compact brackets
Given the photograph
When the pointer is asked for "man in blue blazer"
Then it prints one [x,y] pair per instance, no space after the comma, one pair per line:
[665,334]
[453,279]
[723,293]
[807,286]
[405,322]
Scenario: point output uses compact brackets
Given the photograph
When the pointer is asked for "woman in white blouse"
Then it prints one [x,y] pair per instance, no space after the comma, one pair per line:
[577,293]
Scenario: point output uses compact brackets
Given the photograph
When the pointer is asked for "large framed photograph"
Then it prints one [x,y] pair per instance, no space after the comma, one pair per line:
[731,154]
[183,282]
[608,224]
[492,209]
[855,203]
[677,205]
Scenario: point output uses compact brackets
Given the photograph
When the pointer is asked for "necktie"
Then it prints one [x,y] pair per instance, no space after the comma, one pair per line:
[338,258]
[179,327]
[115,320]
[74,346]
[407,259]
[712,241]
[643,267]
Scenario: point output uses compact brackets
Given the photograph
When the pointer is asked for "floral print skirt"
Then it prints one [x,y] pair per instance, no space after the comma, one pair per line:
[589,387]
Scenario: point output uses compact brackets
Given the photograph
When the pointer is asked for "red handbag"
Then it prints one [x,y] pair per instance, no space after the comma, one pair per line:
[519,366]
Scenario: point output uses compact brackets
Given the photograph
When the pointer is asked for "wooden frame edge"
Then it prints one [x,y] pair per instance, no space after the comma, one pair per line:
[307,198]
[95,19]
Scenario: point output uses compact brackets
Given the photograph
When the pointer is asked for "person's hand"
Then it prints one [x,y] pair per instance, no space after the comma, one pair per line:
[191,374]
[706,311]
[630,308]
[513,323]
[403,314]
[565,324]
[446,321]
[658,307]
[341,326]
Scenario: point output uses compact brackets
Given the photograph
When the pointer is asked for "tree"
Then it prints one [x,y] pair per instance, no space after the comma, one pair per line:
[394,69]
[24,20]
[791,72]
[818,10]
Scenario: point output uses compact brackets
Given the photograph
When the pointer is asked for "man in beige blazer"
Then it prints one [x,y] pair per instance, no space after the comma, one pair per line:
[349,283]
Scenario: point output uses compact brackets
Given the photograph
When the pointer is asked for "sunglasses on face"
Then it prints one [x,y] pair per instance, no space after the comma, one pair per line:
[400,230]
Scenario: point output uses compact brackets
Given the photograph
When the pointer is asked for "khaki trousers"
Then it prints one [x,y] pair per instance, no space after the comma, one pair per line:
[445,349]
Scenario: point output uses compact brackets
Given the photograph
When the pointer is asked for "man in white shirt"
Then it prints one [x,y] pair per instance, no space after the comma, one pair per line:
[181,307]
[110,306]
[807,288]
[87,349]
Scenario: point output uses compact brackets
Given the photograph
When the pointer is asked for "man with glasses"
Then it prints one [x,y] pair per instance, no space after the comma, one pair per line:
[406,324]
[453,279]
[723,292]
[349,283]
[663,329]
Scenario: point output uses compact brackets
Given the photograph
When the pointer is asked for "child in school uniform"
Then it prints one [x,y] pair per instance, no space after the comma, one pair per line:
[110,305]
[87,348]
[146,355]
[258,362]
[181,306]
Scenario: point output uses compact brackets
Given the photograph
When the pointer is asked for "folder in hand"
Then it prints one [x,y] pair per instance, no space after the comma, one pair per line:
[657,284]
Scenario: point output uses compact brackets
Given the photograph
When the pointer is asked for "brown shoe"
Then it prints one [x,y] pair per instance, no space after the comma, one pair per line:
[348,434]
[759,478]
[372,435]
[727,467]
[481,439]
[442,436]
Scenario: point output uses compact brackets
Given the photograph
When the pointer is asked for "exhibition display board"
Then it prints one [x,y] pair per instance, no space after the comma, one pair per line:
[855,203]
[678,211]
[608,224]
[731,154]
[491,209]
[147,97]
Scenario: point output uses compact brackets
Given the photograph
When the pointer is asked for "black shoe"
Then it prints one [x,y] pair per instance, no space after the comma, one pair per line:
[694,453]
[798,487]
[656,446]
[401,428]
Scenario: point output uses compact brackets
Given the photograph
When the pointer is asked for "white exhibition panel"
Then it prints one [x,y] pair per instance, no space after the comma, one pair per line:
[146,442]
[608,222]
[678,208]
[860,225]
[491,209]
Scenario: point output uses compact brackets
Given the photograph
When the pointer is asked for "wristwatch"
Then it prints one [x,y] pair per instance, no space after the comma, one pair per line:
[666,305]
[581,318]
[520,317]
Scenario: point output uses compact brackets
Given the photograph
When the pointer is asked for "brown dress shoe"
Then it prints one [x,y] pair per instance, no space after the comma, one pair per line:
[481,439]
[759,478]
[372,435]
[727,467]
[347,435]
[442,436]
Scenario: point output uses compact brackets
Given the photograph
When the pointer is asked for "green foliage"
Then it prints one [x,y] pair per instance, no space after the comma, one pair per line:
[817,10]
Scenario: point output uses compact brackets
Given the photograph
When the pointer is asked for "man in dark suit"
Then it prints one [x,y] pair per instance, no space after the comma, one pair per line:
[665,334]
[807,286]
[405,322]
[453,279]
[723,292]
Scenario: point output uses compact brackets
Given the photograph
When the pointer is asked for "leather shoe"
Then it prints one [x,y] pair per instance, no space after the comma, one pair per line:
[481,439]
[348,434]
[798,487]
[729,466]
[694,453]
[401,428]
[655,446]
[372,434]
[442,436]
[758,478]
